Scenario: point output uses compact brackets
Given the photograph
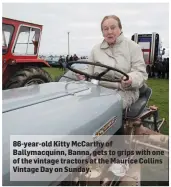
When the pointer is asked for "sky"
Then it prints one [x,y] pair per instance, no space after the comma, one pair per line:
[82,21]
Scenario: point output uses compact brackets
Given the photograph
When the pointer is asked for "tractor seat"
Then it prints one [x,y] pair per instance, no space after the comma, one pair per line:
[137,108]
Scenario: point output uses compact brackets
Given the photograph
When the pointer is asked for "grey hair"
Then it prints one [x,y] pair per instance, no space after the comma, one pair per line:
[115,18]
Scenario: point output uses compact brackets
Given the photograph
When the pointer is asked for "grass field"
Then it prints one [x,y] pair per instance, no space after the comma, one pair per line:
[160,95]
[160,98]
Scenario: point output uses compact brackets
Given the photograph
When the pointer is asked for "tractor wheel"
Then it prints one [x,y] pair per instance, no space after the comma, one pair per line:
[28,76]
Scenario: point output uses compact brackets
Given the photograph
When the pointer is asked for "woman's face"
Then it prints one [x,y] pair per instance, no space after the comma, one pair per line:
[110,30]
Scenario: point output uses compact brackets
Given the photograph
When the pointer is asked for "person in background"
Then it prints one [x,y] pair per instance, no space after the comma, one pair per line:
[61,63]
[75,57]
[71,58]
[67,58]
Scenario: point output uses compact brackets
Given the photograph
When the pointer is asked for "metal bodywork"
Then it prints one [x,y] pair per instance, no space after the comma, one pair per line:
[71,107]
[57,109]
[55,61]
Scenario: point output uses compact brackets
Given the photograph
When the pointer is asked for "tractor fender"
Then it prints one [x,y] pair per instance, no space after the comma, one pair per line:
[30,62]
[16,65]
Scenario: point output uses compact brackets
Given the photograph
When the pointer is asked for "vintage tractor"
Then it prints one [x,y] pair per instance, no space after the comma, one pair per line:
[20,47]
[82,108]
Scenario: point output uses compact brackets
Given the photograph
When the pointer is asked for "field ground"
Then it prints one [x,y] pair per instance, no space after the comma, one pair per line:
[160,95]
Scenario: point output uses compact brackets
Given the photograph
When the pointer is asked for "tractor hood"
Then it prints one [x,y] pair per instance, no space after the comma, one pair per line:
[22,97]
[57,108]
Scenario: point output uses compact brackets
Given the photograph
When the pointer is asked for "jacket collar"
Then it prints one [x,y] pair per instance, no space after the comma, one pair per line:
[105,45]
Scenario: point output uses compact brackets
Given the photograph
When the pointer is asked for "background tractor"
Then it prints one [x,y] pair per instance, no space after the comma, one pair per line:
[152,49]
[20,47]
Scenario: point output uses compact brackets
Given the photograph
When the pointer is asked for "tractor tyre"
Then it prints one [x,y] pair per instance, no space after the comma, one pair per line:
[28,76]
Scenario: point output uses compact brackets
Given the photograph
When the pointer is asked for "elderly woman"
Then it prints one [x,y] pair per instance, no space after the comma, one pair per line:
[121,53]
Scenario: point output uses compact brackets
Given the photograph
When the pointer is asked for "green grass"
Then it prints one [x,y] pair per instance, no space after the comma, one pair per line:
[160,95]
[54,72]
[160,98]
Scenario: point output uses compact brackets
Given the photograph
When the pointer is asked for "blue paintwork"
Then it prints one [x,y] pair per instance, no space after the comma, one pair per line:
[57,108]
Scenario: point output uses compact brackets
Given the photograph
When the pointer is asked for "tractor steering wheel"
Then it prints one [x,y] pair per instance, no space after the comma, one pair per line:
[99,75]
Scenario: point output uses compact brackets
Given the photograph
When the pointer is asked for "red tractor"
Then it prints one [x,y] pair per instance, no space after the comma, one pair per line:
[20,45]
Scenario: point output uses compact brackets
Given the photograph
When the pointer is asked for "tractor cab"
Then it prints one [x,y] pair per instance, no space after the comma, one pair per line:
[7,31]
[20,47]
[26,42]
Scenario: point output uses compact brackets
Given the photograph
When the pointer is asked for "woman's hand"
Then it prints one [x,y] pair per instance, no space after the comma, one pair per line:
[80,77]
[127,83]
